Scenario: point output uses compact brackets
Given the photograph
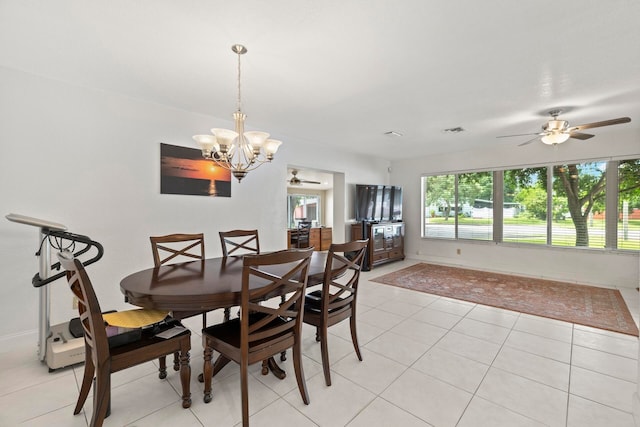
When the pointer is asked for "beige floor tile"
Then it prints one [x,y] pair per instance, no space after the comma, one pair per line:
[613,365]
[541,346]
[374,372]
[537,368]
[381,413]
[587,413]
[481,412]
[400,348]
[601,388]
[470,347]
[428,398]
[451,368]
[531,399]
[437,318]
[332,406]
[485,331]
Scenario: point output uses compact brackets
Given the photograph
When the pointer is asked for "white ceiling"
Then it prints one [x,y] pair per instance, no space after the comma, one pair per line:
[341,72]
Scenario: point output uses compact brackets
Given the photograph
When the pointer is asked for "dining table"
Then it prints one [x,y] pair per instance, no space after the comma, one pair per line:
[189,288]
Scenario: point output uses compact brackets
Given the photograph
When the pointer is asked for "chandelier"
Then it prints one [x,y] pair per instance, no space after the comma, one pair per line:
[237,150]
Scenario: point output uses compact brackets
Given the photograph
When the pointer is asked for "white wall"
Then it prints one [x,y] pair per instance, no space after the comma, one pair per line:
[90,160]
[597,267]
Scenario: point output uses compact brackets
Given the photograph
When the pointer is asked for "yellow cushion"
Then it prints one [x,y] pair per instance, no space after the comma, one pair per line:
[134,318]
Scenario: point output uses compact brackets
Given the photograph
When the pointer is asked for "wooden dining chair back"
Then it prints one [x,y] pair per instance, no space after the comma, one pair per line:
[174,248]
[336,301]
[101,358]
[302,234]
[262,331]
[239,242]
[177,248]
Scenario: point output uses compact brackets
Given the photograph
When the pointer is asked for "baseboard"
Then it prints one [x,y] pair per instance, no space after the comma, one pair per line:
[30,335]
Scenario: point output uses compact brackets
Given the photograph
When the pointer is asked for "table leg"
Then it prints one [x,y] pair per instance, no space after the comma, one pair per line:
[275,369]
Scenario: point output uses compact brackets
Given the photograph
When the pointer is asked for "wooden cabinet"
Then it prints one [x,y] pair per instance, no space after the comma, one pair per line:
[386,241]
[326,238]
[314,238]
[319,237]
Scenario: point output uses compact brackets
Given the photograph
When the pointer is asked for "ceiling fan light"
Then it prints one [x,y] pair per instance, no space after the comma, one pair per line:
[555,138]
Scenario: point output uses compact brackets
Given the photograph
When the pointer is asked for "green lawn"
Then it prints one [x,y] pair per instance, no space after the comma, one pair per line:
[595,240]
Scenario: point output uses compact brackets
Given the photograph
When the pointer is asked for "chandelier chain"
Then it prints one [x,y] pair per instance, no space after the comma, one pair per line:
[239,98]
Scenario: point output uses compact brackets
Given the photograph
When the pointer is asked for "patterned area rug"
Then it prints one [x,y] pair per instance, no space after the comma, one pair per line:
[585,305]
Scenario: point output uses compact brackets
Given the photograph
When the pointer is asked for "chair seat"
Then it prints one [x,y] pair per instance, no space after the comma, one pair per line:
[148,347]
[228,334]
[313,302]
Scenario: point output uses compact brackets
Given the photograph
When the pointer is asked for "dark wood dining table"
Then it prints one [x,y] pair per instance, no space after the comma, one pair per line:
[196,286]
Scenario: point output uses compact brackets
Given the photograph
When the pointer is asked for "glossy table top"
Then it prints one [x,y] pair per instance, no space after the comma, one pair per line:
[198,285]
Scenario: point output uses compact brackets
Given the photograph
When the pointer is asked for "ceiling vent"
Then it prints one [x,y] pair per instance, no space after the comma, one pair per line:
[393,133]
[453,130]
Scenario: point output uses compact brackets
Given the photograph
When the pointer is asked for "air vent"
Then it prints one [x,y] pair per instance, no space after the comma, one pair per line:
[453,130]
[393,133]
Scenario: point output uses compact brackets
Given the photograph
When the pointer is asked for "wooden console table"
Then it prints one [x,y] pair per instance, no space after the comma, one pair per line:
[386,241]
[319,237]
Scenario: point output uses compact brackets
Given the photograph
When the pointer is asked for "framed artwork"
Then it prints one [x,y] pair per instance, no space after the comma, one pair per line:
[184,171]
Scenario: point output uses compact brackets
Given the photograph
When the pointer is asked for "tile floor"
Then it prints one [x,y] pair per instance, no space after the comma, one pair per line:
[428,361]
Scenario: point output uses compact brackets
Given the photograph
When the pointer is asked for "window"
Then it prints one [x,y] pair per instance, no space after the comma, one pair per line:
[439,206]
[303,207]
[579,205]
[629,204]
[475,205]
[459,205]
[524,213]
[559,205]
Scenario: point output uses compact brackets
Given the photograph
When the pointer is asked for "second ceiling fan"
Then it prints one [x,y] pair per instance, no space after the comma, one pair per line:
[297,181]
[558,131]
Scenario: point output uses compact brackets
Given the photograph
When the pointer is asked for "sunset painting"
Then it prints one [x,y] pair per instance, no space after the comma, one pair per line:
[184,171]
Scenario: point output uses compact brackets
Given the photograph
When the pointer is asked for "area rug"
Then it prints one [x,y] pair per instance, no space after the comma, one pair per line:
[582,304]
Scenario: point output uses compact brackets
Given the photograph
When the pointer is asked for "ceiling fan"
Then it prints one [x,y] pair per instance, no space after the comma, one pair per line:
[297,181]
[558,131]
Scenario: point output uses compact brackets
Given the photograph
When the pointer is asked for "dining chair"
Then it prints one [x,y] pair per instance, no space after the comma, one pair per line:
[173,248]
[301,237]
[336,301]
[261,332]
[103,357]
[239,242]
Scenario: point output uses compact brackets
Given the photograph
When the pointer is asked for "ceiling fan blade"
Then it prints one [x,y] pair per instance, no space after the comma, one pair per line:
[520,134]
[580,135]
[310,182]
[529,141]
[600,124]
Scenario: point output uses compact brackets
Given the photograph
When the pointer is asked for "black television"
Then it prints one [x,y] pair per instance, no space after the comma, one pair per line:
[378,203]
